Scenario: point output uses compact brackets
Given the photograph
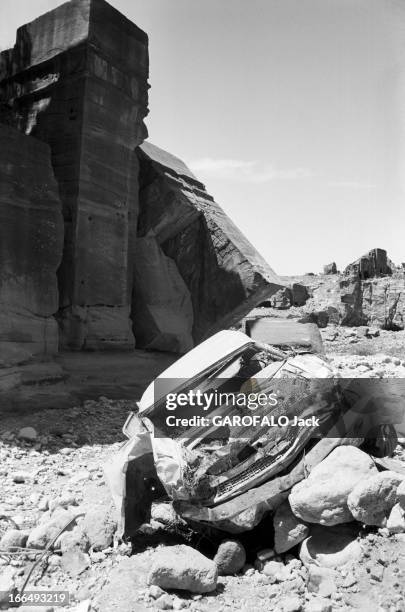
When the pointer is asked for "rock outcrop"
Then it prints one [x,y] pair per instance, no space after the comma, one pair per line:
[77,79]
[330,268]
[322,497]
[31,241]
[373,263]
[379,302]
[225,275]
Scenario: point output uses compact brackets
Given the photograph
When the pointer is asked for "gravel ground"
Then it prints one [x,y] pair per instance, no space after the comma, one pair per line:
[65,461]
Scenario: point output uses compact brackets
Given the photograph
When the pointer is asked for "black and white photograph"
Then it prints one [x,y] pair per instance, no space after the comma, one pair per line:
[202,305]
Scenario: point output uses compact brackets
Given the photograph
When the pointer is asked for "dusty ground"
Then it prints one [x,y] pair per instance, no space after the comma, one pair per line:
[73,444]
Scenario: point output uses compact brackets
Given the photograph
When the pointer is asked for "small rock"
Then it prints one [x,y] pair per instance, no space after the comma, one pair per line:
[288,530]
[372,499]
[80,476]
[182,567]
[396,520]
[291,604]
[54,561]
[164,513]
[28,433]
[43,504]
[165,602]
[377,572]
[99,527]
[74,562]
[318,604]
[349,581]
[321,580]
[73,539]
[265,554]
[68,499]
[230,557]
[179,604]
[13,539]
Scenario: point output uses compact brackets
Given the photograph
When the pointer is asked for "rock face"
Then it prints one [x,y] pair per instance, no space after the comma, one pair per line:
[183,567]
[373,263]
[330,268]
[31,241]
[372,499]
[323,496]
[296,295]
[230,557]
[77,79]
[224,274]
[349,300]
[162,311]
[378,302]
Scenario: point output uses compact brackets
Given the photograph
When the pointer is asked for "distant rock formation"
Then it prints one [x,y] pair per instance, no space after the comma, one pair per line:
[374,263]
[330,268]
[294,295]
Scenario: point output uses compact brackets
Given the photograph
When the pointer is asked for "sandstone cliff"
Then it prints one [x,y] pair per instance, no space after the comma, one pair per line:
[31,241]
[77,79]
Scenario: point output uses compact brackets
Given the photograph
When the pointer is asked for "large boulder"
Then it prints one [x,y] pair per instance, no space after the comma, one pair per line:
[99,526]
[299,293]
[77,80]
[321,581]
[331,547]
[230,557]
[322,497]
[373,498]
[396,520]
[288,529]
[48,528]
[184,568]
[225,275]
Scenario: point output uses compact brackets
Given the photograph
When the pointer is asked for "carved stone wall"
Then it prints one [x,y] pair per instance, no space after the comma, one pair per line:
[77,79]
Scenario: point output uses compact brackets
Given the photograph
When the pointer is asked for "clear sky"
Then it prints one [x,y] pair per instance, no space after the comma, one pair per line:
[290,111]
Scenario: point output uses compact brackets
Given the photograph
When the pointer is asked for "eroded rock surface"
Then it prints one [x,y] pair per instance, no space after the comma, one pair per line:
[31,240]
[225,275]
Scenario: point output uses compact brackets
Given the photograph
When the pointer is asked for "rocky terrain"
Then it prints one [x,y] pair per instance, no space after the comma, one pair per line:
[312,556]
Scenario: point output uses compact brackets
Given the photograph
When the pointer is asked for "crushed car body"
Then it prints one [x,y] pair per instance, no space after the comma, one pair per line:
[228,471]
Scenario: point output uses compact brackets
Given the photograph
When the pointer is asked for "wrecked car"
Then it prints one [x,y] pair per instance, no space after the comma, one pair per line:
[228,471]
